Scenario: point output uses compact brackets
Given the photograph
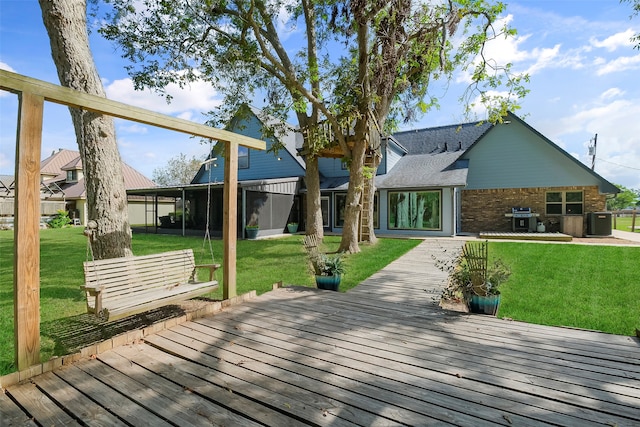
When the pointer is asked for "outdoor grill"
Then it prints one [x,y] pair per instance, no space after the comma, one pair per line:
[523,219]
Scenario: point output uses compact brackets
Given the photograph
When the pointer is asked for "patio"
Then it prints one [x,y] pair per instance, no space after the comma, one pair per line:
[384,353]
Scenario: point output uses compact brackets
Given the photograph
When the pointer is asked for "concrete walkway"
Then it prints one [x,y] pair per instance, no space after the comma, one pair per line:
[626,235]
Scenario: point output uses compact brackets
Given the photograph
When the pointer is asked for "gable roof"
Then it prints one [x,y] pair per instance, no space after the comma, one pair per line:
[438,170]
[439,139]
[289,135]
[53,165]
[285,133]
[59,162]
[605,186]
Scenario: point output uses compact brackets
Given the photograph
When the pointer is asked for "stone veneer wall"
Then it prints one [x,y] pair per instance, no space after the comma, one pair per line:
[483,210]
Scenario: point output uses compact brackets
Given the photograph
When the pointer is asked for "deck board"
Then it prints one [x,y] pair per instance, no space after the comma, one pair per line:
[391,356]
[383,353]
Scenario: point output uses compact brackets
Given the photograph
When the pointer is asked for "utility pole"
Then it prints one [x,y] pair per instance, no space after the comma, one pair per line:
[593,144]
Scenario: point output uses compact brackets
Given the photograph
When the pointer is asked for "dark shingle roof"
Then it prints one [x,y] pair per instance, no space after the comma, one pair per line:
[417,171]
[426,170]
[443,138]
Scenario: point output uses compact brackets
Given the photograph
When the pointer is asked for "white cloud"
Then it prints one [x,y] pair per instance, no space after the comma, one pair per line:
[134,128]
[614,92]
[6,67]
[623,63]
[544,58]
[510,50]
[618,130]
[187,115]
[479,110]
[615,41]
[196,97]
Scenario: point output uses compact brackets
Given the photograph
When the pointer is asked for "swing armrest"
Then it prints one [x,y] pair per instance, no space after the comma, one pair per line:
[96,292]
[211,267]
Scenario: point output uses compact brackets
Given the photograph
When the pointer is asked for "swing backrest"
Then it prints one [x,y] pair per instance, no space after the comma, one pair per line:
[139,274]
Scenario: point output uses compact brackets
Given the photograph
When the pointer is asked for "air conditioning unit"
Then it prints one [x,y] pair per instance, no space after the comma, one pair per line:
[599,223]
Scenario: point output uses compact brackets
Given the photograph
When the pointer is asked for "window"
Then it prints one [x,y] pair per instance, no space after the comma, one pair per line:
[243,157]
[415,210]
[324,208]
[72,175]
[340,202]
[564,203]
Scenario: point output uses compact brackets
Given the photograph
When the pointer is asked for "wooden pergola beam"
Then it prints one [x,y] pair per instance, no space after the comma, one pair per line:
[17,83]
[32,93]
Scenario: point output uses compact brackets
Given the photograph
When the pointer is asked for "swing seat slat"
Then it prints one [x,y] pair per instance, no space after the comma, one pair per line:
[119,287]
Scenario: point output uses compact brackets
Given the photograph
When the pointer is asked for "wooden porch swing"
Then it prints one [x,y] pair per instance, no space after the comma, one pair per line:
[26,278]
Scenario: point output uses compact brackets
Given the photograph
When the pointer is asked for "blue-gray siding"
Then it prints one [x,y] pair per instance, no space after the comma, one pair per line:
[392,155]
[510,156]
[262,164]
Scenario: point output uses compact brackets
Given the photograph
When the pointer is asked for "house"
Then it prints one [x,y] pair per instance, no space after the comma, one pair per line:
[269,181]
[467,178]
[62,188]
[441,181]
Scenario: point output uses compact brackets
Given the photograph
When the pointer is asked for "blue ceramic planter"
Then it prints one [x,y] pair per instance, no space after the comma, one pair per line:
[252,233]
[483,304]
[329,283]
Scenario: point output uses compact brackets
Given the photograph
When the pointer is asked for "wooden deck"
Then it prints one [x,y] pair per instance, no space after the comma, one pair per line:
[382,354]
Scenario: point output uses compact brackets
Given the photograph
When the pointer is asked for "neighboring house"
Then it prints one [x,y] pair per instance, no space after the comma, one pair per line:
[62,188]
[438,181]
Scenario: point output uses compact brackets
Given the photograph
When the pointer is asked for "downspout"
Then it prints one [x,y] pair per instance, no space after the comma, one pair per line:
[454,214]
[244,211]
[184,214]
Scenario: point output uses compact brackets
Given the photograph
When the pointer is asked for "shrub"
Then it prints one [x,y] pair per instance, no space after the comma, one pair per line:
[61,219]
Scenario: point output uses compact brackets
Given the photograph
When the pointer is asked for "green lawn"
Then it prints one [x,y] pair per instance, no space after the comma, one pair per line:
[260,263]
[624,223]
[584,286]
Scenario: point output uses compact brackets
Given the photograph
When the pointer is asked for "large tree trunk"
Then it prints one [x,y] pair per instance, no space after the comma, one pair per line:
[314,212]
[373,239]
[349,242]
[66,24]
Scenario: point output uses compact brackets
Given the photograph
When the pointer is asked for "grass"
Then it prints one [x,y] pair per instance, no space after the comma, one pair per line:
[260,263]
[583,286]
[624,223]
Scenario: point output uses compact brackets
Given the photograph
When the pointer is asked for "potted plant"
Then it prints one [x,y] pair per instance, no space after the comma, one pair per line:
[252,230]
[328,271]
[473,278]
[292,227]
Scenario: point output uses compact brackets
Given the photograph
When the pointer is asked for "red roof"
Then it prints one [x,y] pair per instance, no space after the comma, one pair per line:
[59,162]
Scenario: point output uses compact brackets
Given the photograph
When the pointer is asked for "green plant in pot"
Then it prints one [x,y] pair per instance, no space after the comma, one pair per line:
[477,281]
[252,230]
[292,227]
[328,270]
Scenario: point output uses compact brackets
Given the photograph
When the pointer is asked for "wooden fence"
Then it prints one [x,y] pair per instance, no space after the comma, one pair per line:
[633,213]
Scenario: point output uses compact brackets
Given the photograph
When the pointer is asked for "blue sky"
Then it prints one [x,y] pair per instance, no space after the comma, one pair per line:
[584,81]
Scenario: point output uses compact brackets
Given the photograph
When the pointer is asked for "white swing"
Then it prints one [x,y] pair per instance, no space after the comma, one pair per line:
[120,287]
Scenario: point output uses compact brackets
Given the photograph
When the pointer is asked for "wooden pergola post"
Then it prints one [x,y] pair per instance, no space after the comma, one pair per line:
[26,260]
[230,221]
[26,284]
